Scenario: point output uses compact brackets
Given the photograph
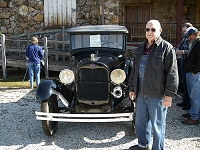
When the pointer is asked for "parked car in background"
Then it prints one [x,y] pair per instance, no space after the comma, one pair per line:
[95,88]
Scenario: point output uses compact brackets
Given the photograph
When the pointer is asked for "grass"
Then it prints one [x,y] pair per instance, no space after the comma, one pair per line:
[15,77]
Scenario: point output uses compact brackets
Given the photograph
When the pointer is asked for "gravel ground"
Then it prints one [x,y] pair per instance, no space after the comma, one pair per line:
[21,131]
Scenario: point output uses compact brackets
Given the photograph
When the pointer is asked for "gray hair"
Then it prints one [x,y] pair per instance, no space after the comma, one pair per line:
[155,22]
[187,25]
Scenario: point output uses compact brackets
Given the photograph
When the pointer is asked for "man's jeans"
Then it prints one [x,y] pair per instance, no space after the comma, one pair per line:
[150,113]
[193,82]
[182,75]
[34,70]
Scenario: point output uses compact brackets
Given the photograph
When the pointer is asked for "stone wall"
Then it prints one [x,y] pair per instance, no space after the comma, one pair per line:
[18,16]
[189,10]
[197,19]
[88,12]
[111,12]
[163,10]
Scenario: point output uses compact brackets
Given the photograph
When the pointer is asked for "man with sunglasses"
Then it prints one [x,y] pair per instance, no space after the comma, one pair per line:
[192,68]
[153,83]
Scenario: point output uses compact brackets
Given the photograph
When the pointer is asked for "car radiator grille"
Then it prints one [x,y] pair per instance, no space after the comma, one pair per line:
[92,84]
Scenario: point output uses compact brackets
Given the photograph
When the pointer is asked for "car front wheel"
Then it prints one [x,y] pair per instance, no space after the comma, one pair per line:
[49,106]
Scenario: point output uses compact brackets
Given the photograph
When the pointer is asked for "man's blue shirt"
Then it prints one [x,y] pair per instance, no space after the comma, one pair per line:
[34,53]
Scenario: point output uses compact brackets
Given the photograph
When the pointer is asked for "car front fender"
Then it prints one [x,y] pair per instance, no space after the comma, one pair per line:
[44,90]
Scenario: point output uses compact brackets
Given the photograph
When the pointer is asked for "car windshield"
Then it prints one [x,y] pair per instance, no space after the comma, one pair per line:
[99,40]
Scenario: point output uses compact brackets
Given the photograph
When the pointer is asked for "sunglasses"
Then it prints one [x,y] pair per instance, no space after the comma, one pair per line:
[152,29]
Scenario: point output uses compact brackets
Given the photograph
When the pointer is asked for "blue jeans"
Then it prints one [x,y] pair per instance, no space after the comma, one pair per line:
[193,82]
[34,70]
[150,114]
[182,75]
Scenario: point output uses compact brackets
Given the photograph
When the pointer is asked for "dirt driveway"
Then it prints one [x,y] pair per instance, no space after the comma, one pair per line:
[20,130]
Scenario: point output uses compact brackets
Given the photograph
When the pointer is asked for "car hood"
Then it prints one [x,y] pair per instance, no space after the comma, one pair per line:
[108,58]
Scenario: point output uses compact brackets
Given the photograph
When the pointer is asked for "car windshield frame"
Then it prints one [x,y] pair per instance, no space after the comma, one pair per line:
[99,36]
[99,40]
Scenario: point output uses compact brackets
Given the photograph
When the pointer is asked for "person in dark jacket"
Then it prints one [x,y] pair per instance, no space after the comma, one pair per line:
[192,68]
[34,54]
[181,53]
[153,82]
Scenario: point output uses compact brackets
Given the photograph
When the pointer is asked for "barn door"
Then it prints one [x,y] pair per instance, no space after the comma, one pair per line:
[135,20]
[59,13]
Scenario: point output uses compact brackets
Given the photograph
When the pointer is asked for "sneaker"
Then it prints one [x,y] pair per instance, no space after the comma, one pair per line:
[136,147]
[186,115]
[190,121]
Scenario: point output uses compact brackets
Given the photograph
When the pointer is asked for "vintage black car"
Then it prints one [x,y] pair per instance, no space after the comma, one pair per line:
[95,88]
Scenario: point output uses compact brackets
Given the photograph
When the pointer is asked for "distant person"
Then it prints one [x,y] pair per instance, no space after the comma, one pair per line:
[192,68]
[181,52]
[34,54]
[153,82]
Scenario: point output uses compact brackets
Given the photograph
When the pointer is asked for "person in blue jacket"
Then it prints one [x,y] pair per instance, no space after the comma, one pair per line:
[34,54]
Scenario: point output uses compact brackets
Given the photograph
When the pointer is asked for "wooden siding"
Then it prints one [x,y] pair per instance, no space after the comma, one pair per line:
[59,13]
[135,17]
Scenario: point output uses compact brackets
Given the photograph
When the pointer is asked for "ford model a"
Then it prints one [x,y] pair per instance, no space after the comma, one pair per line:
[95,88]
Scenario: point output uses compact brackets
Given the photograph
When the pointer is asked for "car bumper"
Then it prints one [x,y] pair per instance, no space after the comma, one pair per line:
[64,117]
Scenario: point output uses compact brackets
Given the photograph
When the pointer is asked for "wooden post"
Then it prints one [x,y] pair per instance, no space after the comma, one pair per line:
[3,49]
[28,37]
[46,53]
[56,48]
[18,45]
[63,38]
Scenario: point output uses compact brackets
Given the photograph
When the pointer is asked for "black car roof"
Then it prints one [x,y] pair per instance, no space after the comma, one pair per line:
[97,29]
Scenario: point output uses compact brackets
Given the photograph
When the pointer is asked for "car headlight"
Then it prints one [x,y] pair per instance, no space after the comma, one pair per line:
[66,76]
[118,76]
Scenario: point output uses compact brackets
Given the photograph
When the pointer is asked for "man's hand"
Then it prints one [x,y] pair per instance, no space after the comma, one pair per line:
[132,95]
[167,101]
[181,52]
[178,52]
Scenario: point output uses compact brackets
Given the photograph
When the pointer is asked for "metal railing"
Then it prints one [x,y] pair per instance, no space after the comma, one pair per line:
[196,25]
[15,56]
